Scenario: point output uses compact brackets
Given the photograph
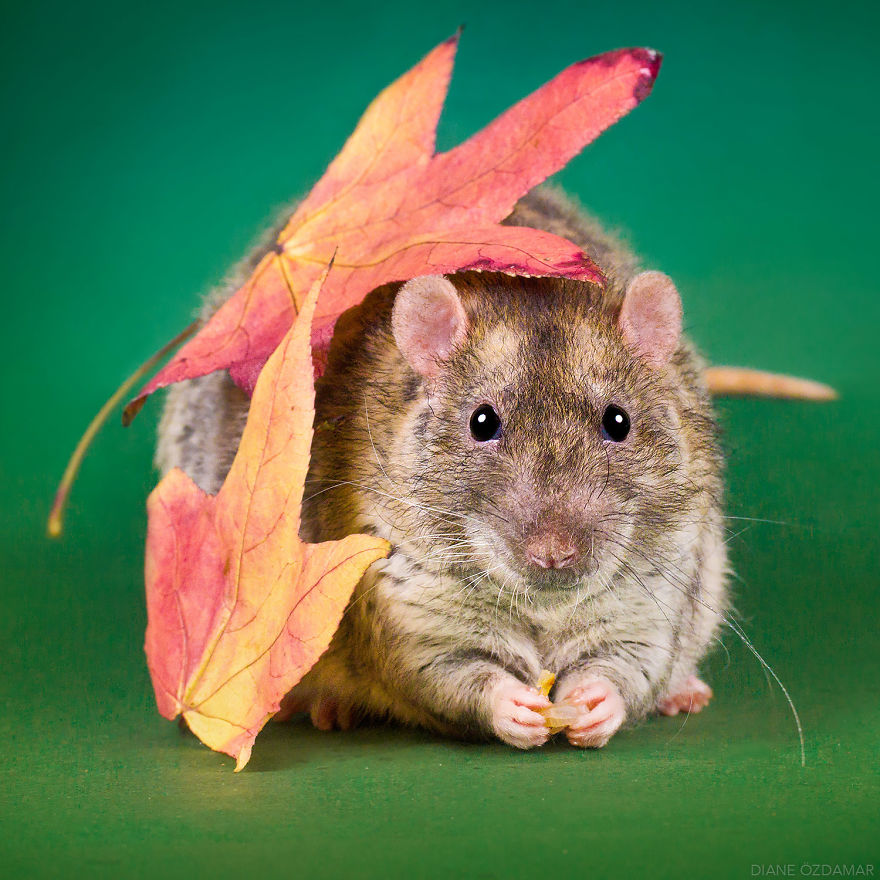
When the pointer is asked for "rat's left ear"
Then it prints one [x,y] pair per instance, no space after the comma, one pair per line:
[650,318]
[428,322]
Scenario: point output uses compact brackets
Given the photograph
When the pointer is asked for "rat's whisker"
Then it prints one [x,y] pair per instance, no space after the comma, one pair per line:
[740,633]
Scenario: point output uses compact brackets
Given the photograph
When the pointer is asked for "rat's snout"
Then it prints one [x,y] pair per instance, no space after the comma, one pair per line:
[554,539]
[558,543]
[551,548]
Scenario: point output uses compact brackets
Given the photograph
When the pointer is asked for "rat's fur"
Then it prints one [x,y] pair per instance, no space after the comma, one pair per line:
[432,631]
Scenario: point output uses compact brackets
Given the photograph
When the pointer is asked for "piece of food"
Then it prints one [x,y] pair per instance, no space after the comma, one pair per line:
[559,715]
[546,680]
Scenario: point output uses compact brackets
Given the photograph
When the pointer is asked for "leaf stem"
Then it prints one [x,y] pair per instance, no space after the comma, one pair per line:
[63,492]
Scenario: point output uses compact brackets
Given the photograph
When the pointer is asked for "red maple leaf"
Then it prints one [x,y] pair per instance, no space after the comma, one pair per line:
[391,208]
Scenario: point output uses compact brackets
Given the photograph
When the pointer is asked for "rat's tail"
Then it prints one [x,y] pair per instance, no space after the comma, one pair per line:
[739,382]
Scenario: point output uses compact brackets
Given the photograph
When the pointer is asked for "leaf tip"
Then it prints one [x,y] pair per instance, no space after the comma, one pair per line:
[243,757]
[650,59]
[53,526]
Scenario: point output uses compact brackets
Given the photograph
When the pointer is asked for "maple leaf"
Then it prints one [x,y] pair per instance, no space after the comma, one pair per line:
[238,607]
[391,208]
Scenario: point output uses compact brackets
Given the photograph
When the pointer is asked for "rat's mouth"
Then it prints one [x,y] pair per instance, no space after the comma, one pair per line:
[568,578]
[510,566]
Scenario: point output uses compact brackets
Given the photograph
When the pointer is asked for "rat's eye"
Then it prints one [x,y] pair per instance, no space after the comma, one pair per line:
[615,424]
[485,424]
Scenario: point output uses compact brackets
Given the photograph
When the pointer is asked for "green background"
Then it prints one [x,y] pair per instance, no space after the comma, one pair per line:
[144,147]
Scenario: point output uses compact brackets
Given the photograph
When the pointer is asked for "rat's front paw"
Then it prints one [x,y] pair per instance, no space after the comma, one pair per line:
[602,711]
[515,716]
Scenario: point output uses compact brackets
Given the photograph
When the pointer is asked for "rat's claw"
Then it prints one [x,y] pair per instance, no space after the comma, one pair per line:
[692,696]
[603,711]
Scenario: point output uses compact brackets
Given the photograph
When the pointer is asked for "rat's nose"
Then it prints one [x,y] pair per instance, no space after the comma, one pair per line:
[550,549]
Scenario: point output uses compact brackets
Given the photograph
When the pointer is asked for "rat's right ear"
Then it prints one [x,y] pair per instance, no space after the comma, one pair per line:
[428,322]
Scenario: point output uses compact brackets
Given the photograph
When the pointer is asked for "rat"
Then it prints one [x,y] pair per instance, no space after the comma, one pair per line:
[542,456]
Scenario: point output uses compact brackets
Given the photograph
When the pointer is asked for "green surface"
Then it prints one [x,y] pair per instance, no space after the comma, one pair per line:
[143,148]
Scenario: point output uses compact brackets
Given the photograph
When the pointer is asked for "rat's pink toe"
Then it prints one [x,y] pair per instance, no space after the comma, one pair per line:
[692,696]
[596,735]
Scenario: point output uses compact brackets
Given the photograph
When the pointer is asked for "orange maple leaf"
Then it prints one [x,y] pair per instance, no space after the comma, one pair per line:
[391,209]
[238,607]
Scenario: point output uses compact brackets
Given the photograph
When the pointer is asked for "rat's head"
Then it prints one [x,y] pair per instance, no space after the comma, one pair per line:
[548,423]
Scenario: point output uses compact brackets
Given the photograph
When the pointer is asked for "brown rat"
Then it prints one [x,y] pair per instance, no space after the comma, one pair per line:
[541,455]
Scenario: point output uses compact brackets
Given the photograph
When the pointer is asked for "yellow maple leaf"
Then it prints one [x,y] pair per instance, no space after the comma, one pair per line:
[239,608]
